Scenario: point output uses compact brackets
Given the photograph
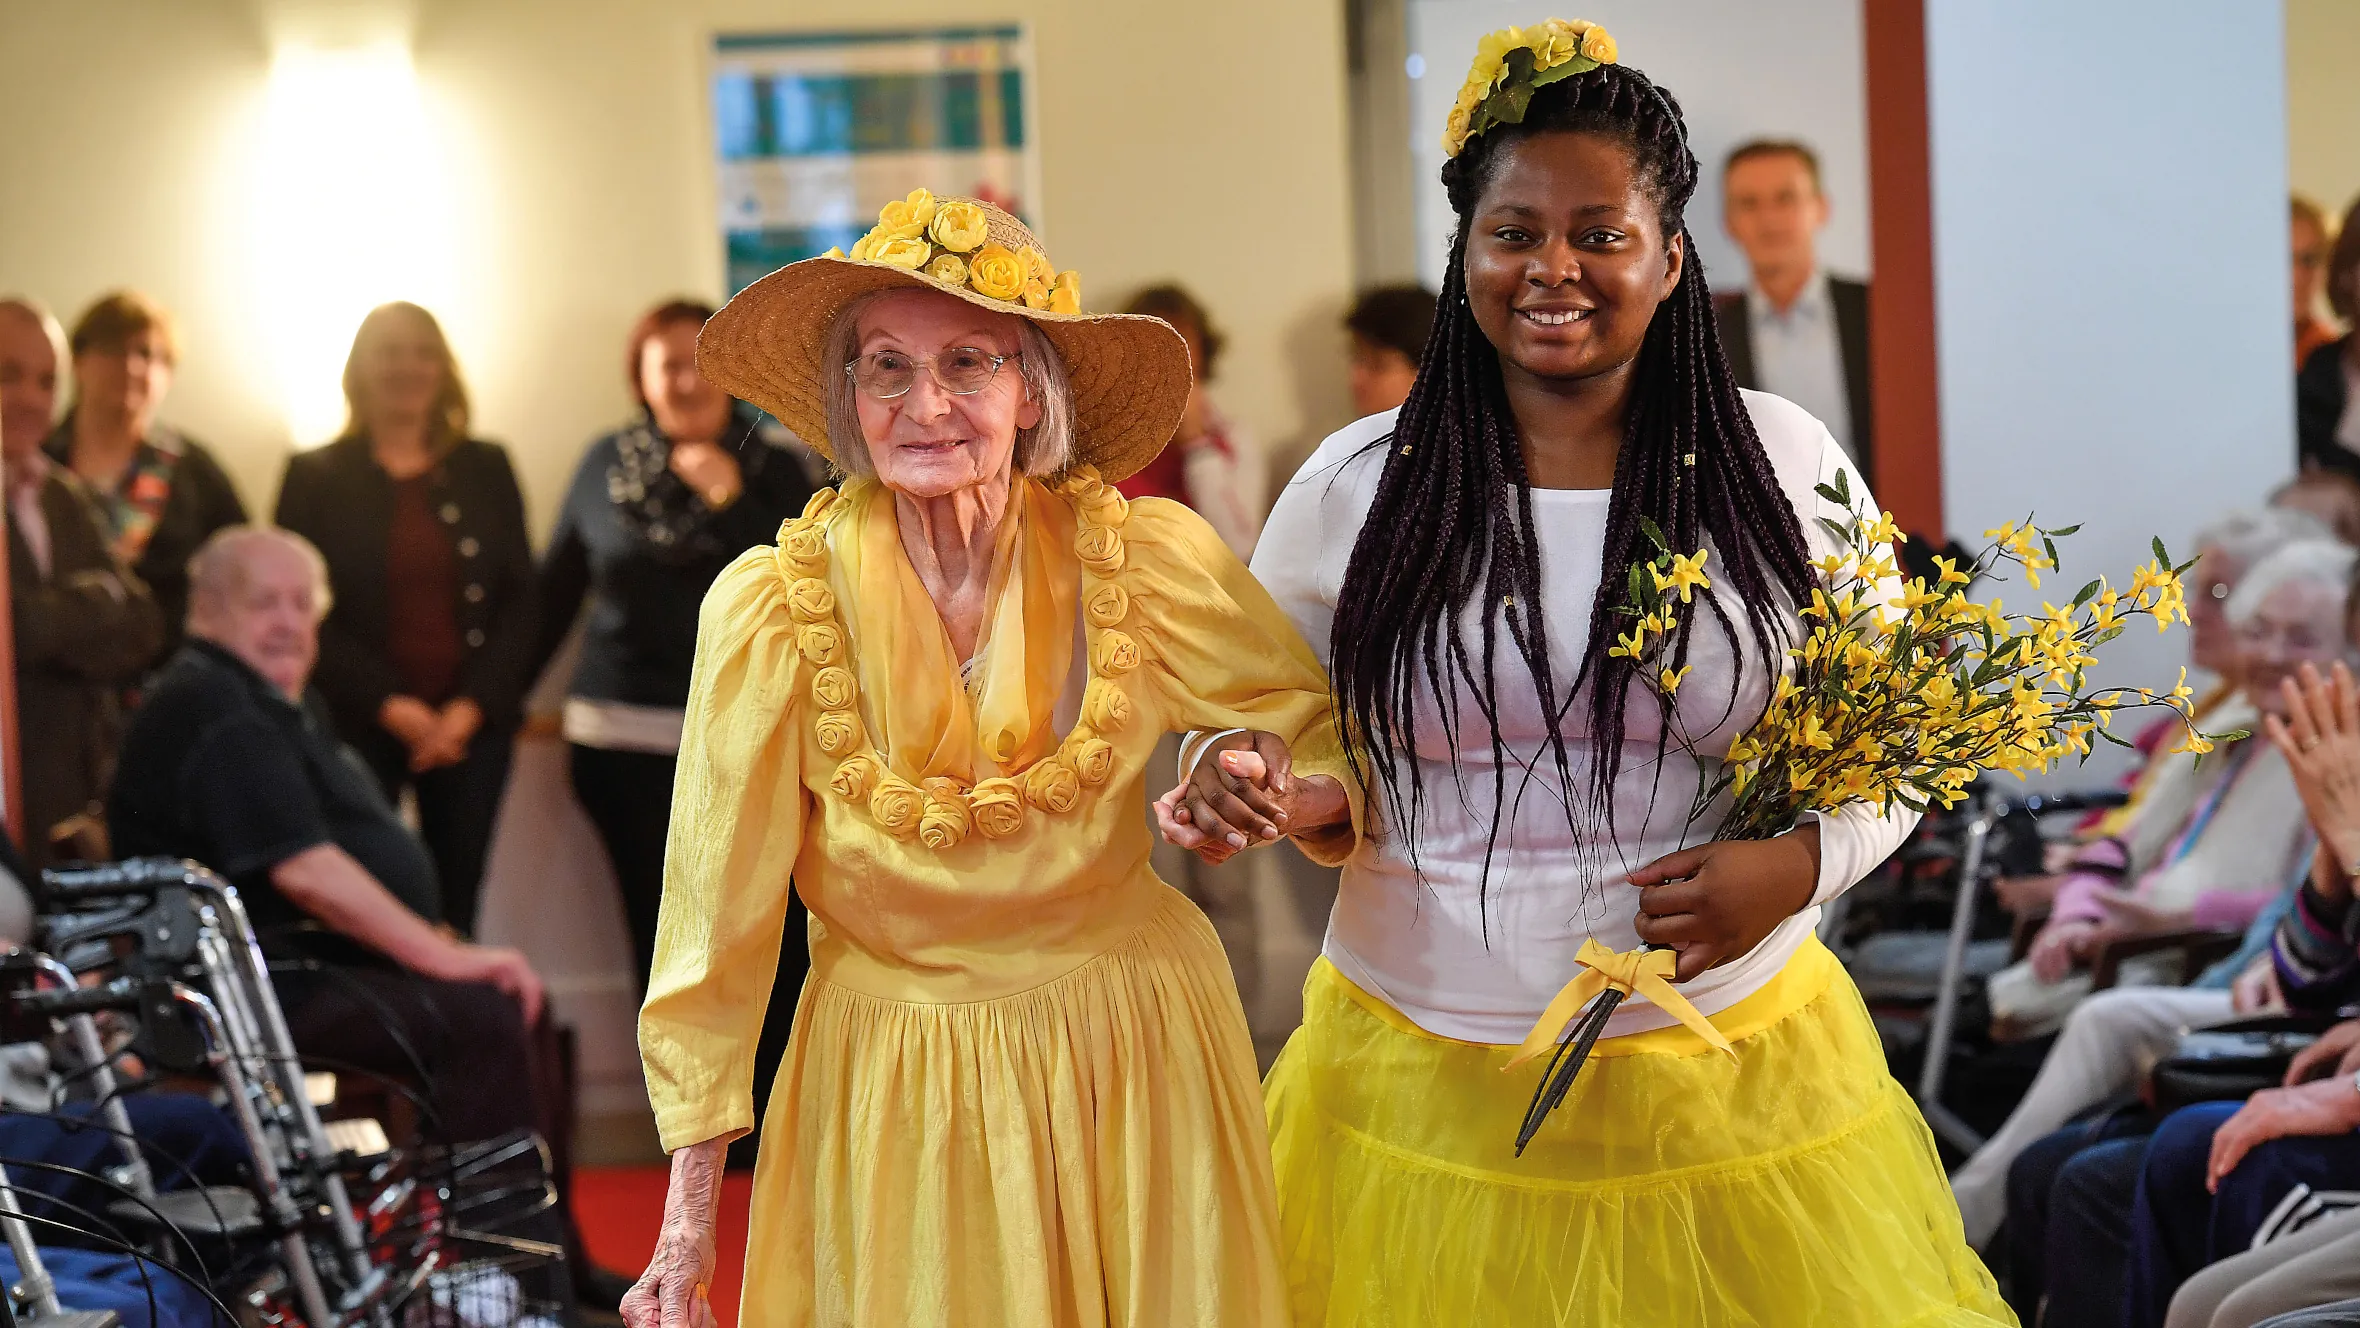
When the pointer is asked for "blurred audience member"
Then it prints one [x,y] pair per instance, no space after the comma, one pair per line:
[1211,465]
[424,659]
[2212,841]
[655,511]
[1795,330]
[231,761]
[85,627]
[2327,427]
[2312,243]
[2330,496]
[2111,1039]
[159,491]
[1388,326]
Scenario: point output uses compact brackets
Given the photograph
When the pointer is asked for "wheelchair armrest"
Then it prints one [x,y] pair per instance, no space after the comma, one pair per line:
[2197,947]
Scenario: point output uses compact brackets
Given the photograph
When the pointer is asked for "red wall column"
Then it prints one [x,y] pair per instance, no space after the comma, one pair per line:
[1907,400]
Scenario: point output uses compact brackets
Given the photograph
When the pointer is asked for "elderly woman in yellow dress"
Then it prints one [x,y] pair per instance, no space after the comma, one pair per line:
[1020,1089]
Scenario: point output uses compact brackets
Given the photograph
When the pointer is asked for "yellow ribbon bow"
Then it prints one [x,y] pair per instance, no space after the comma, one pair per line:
[1646,972]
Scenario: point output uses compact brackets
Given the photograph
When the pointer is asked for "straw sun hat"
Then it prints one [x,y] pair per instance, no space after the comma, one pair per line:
[1129,373]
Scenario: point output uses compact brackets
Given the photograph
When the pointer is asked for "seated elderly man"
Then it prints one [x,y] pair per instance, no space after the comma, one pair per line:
[229,762]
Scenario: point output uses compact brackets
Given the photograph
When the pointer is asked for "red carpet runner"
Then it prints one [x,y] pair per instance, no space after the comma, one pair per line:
[621,1208]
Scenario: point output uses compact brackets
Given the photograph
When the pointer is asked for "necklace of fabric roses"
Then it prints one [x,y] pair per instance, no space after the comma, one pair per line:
[940,812]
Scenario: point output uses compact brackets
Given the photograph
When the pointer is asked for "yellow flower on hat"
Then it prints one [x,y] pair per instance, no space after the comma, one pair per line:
[907,218]
[902,252]
[997,273]
[960,227]
[1066,296]
[1036,265]
[1598,45]
[860,248]
[1036,294]
[949,269]
[834,251]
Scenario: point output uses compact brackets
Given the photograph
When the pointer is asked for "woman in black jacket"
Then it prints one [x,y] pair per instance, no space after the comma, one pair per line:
[655,511]
[426,654]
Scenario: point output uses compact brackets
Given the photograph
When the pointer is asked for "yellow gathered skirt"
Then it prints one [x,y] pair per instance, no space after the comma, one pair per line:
[1086,1154]
[1795,1186]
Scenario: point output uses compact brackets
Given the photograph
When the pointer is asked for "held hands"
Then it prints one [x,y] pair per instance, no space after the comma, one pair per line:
[676,1289]
[1718,901]
[435,737]
[2320,737]
[1244,791]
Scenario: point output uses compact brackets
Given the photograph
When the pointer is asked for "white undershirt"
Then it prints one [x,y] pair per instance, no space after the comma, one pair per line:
[1479,964]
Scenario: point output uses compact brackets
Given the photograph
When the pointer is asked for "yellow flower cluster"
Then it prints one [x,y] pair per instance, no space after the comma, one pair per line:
[1558,47]
[1906,696]
[950,241]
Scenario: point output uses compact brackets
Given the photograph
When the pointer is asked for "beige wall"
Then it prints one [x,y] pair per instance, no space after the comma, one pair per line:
[1201,141]
[2323,100]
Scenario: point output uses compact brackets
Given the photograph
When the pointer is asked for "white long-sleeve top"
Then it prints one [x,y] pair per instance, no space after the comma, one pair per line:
[1418,936]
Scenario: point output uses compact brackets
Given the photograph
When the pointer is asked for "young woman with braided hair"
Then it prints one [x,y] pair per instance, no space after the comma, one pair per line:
[1735,1151]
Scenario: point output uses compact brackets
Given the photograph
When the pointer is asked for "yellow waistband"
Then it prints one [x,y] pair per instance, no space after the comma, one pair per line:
[1794,986]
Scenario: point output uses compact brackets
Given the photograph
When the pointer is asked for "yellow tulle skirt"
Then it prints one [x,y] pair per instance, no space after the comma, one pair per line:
[1676,1187]
[1086,1154]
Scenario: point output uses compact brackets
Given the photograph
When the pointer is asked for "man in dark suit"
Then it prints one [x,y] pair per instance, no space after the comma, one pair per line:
[1794,330]
[85,625]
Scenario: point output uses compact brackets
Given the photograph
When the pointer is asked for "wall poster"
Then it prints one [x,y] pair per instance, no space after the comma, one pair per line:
[816,132]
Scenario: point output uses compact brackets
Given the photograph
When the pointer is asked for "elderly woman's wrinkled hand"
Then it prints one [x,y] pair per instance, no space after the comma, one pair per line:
[676,1291]
[2320,737]
[2326,1107]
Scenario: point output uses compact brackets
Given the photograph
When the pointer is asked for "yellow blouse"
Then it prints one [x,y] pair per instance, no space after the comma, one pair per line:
[950,844]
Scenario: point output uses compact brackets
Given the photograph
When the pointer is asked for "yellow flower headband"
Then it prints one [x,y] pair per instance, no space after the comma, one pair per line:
[1512,64]
[950,242]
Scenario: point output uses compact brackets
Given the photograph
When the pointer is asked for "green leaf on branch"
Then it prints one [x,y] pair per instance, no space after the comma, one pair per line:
[1654,534]
[2085,594]
[2073,529]
[1580,64]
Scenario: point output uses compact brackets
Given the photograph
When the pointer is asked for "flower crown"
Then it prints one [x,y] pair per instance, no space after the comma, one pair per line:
[950,241]
[1512,64]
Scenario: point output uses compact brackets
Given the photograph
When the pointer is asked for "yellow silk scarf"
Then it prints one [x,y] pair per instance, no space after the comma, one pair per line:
[927,721]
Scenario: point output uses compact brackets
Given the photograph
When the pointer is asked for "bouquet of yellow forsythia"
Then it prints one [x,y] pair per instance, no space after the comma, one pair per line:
[1905,693]
[1900,694]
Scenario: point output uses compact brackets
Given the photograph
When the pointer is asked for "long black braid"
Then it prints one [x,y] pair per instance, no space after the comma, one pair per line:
[1452,520]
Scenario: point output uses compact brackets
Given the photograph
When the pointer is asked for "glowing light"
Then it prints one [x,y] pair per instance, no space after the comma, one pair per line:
[352,208]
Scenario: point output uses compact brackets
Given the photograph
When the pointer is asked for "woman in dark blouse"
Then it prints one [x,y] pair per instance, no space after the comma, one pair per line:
[653,514]
[426,652]
[159,491]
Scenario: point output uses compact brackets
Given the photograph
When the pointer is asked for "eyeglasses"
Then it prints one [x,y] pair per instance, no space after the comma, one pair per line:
[961,371]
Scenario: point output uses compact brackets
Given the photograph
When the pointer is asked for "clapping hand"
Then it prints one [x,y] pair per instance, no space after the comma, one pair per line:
[2320,737]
